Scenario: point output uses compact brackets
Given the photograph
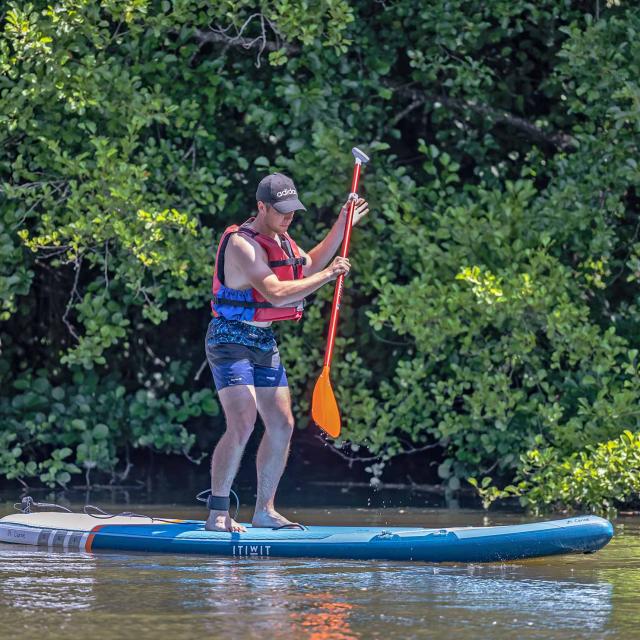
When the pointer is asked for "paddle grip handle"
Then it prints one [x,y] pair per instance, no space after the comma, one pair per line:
[344,252]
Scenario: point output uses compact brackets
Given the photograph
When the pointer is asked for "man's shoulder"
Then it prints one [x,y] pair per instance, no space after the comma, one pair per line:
[245,247]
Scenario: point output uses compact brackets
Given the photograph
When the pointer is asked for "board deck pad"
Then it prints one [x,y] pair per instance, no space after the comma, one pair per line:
[82,532]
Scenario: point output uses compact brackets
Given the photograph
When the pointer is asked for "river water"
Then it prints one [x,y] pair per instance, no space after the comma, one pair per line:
[52,595]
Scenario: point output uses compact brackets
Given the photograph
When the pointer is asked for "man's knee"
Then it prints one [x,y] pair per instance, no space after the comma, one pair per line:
[281,426]
[289,424]
[240,428]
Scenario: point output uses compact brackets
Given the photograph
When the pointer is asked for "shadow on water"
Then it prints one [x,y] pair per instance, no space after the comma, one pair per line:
[132,595]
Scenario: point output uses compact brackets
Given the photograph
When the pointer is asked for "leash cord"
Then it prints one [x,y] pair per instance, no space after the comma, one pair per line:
[27,503]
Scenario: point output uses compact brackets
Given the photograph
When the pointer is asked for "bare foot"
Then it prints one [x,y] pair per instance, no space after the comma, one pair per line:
[269,518]
[222,521]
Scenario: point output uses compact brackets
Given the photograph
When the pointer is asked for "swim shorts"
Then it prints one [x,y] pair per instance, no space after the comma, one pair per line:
[241,354]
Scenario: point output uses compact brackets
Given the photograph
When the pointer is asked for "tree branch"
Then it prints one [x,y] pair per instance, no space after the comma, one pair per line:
[216,37]
[72,297]
[559,140]
[351,458]
[200,370]
[219,35]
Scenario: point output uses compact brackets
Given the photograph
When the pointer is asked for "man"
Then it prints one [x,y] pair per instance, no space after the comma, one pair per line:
[261,276]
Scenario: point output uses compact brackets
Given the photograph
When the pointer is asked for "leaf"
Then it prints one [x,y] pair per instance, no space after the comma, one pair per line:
[57,393]
[100,431]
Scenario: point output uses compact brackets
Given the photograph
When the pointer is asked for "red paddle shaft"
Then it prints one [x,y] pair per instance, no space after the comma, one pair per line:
[360,159]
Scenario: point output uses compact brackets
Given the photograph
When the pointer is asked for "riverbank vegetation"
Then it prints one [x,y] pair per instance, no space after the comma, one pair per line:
[491,322]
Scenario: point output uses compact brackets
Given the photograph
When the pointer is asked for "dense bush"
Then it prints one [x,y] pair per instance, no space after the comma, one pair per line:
[88,423]
[493,306]
[598,478]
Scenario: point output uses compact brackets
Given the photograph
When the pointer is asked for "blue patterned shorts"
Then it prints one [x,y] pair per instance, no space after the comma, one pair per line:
[241,354]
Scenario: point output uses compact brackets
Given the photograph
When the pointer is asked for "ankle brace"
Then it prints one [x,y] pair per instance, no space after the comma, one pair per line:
[218,503]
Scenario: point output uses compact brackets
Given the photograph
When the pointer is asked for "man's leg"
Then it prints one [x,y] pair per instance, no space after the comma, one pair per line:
[239,405]
[274,406]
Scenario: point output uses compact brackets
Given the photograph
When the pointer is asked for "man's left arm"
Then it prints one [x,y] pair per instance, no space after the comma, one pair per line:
[319,257]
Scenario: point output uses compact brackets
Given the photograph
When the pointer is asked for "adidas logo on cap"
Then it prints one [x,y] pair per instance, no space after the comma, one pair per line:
[278,190]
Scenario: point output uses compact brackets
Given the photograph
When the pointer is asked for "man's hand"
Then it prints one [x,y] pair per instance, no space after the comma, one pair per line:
[360,211]
[339,266]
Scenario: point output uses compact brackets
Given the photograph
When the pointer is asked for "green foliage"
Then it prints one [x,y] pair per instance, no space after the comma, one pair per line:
[493,306]
[489,493]
[597,479]
[53,432]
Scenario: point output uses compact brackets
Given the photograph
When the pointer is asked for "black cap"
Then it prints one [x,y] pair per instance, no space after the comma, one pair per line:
[280,192]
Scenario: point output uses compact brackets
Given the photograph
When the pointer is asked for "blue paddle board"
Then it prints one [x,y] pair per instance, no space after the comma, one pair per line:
[584,534]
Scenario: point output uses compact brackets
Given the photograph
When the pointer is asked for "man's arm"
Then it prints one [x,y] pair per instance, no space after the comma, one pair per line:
[320,255]
[250,259]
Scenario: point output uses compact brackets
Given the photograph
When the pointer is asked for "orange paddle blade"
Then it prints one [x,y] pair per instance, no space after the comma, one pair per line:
[324,408]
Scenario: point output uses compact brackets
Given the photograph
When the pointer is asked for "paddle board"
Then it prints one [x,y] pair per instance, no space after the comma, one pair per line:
[81,532]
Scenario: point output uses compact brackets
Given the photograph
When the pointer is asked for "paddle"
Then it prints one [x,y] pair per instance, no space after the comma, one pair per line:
[324,408]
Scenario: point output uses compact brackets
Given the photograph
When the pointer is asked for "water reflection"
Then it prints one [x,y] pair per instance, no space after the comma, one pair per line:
[37,580]
[325,618]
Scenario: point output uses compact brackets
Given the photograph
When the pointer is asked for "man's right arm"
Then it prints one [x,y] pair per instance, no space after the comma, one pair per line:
[251,260]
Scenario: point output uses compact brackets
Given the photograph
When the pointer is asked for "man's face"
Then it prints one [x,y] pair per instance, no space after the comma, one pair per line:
[277,222]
